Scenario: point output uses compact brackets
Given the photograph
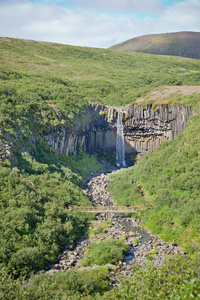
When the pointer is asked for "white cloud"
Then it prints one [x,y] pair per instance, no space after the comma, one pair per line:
[77,26]
[184,15]
[144,6]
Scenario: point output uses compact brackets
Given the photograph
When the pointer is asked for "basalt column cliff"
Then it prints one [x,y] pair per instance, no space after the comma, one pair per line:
[144,129]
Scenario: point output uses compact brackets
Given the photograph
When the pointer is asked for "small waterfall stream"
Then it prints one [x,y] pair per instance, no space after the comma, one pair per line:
[120,153]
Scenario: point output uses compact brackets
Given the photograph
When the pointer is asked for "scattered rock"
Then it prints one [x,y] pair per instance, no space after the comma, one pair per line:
[140,251]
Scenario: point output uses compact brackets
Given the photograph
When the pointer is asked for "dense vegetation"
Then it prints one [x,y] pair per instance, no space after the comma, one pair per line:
[109,251]
[35,223]
[177,278]
[170,180]
[72,284]
[37,73]
[45,86]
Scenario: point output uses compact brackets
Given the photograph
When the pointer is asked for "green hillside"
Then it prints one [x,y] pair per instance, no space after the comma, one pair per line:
[185,44]
[170,181]
[46,85]
[60,74]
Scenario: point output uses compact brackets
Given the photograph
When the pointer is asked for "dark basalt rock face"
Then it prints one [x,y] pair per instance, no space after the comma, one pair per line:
[145,127]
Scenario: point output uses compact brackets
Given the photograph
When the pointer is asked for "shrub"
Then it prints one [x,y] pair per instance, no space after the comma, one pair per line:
[25,260]
[176,278]
[135,241]
[98,230]
[104,252]
[72,282]
[149,257]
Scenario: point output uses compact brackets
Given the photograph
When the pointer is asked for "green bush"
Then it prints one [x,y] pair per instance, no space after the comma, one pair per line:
[109,251]
[135,241]
[35,223]
[149,257]
[176,278]
[11,289]
[71,283]
[26,260]
[98,230]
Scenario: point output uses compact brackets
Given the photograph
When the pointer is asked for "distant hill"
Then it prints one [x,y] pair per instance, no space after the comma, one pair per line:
[184,44]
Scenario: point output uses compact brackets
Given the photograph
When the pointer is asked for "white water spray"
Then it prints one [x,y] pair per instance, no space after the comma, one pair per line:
[120,153]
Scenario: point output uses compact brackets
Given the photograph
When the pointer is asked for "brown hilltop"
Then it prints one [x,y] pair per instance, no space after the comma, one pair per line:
[185,44]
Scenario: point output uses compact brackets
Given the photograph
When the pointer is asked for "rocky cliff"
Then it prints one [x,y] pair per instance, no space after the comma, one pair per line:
[145,127]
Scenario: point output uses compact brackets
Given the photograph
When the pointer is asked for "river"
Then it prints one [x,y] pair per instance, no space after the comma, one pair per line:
[142,244]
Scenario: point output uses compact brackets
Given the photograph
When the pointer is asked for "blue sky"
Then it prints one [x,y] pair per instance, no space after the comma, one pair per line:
[95,23]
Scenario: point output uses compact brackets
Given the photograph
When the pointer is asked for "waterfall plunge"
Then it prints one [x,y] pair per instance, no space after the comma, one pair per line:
[120,153]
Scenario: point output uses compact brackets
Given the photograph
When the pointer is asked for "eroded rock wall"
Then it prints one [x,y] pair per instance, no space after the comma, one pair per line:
[144,129]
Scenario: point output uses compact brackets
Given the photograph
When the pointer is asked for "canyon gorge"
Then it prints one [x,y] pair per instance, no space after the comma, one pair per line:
[145,127]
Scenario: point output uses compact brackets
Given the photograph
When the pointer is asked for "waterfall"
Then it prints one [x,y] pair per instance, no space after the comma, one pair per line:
[120,153]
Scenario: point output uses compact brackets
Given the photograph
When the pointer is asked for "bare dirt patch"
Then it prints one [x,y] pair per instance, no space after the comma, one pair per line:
[165,92]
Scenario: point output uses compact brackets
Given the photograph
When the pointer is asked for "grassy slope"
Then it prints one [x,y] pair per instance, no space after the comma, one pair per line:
[185,44]
[65,75]
[170,179]
[34,75]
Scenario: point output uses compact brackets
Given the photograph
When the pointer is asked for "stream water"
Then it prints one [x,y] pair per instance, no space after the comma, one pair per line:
[142,236]
[140,243]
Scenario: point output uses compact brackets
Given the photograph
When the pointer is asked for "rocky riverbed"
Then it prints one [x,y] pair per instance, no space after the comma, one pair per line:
[142,245]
